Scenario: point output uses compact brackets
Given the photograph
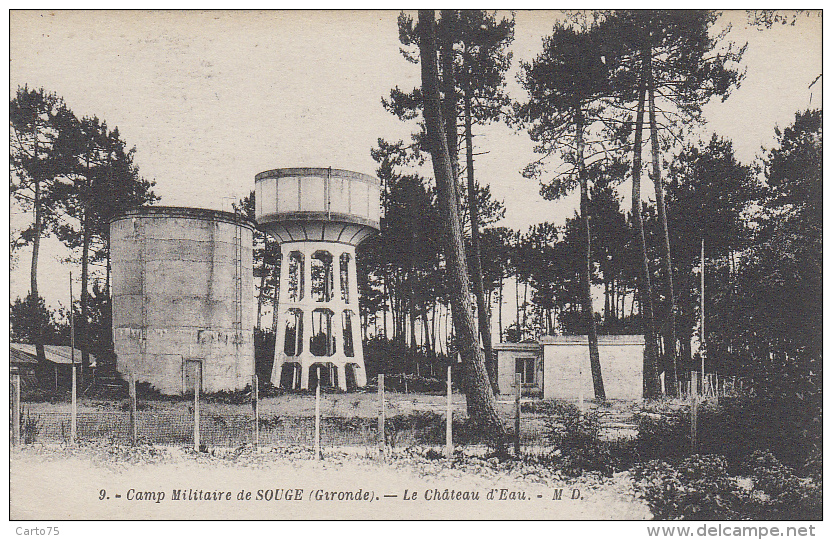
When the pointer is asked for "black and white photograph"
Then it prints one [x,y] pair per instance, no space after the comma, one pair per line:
[430,265]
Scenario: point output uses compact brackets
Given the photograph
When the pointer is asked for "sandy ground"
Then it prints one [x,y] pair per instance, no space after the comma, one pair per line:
[101,482]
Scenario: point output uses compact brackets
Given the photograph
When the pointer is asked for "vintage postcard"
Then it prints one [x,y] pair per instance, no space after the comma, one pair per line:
[416,265]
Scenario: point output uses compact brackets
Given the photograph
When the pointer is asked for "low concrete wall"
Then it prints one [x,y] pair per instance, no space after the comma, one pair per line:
[566,366]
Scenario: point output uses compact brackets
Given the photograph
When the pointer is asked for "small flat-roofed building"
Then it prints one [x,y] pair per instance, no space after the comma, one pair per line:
[557,367]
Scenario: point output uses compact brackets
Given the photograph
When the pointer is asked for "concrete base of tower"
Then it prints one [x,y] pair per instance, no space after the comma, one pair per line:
[318,335]
[306,372]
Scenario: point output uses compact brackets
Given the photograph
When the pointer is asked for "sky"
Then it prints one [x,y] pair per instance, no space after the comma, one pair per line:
[209,99]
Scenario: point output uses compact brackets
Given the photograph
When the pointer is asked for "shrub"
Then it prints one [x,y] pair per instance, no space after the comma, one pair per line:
[232,397]
[777,493]
[700,487]
[697,488]
[405,383]
[735,429]
[140,406]
[663,436]
[428,427]
[576,444]
[29,428]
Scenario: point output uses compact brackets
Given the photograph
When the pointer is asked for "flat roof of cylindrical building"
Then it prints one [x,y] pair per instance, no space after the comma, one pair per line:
[204,214]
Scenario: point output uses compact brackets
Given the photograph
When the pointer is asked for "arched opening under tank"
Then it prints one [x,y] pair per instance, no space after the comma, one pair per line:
[290,376]
[322,276]
[346,330]
[344,270]
[293,340]
[322,340]
[327,372]
[351,376]
[295,276]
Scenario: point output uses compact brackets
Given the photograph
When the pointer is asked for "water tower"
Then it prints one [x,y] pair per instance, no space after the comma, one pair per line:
[318,216]
[181,278]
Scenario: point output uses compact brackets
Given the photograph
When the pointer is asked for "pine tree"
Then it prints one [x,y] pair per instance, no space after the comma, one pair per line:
[481,402]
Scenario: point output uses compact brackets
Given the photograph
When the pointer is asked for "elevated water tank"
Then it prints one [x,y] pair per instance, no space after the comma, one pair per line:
[318,216]
[182,287]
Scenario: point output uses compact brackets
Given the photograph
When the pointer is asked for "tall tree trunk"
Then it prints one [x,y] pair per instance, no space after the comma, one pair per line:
[670,325]
[425,329]
[517,307]
[482,406]
[276,294]
[606,301]
[589,313]
[482,308]
[500,310]
[109,304]
[384,304]
[261,292]
[651,387]
[411,279]
[41,354]
[83,326]
[261,296]
[450,99]
[414,345]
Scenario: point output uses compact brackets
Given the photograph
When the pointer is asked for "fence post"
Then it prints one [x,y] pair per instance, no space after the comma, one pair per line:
[318,416]
[255,394]
[74,406]
[74,414]
[15,407]
[382,436]
[518,387]
[134,431]
[197,390]
[694,410]
[449,419]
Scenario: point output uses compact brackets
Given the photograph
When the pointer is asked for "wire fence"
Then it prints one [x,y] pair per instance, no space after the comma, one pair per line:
[234,430]
[204,424]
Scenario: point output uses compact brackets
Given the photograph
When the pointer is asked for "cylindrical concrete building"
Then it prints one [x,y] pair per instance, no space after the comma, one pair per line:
[318,216]
[182,287]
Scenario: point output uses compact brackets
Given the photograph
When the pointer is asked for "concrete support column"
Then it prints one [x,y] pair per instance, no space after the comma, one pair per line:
[282,316]
[342,376]
[304,375]
[336,278]
[307,250]
[357,344]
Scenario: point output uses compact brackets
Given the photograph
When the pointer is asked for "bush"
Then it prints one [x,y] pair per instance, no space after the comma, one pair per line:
[663,436]
[428,427]
[263,354]
[408,384]
[734,429]
[700,487]
[29,427]
[697,488]
[232,397]
[575,438]
[778,494]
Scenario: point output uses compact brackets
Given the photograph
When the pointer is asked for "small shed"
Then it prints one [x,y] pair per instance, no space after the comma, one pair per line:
[557,367]
[525,359]
[59,357]
[26,365]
